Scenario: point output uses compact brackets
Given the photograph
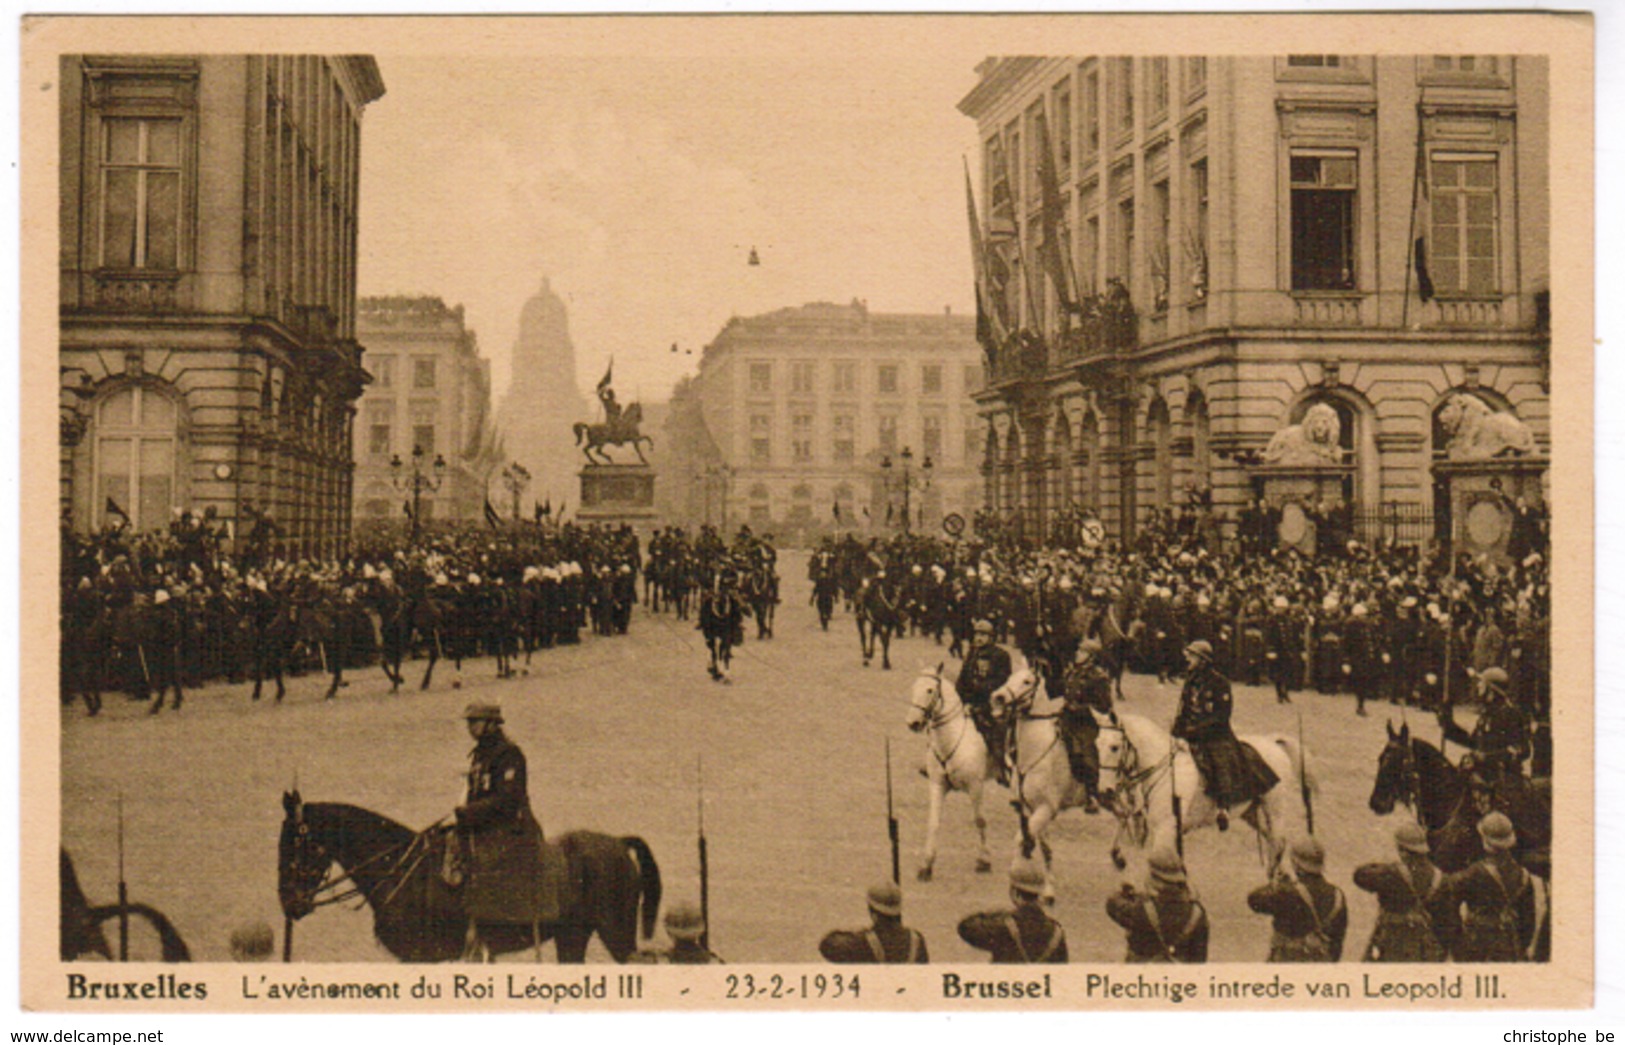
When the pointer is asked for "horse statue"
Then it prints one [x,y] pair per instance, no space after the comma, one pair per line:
[1414,773]
[1477,432]
[81,923]
[620,430]
[959,760]
[1154,789]
[611,888]
[1041,774]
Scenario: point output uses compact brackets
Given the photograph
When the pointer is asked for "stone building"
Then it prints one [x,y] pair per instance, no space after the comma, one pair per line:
[430,391]
[1259,215]
[543,400]
[800,409]
[208,351]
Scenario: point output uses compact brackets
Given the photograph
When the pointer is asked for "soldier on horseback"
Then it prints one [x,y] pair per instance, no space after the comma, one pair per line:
[984,671]
[1231,772]
[1500,739]
[1086,688]
[499,838]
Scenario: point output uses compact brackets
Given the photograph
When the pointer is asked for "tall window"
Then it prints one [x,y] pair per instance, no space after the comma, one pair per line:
[1314,61]
[135,455]
[1195,74]
[1013,158]
[846,437]
[1156,86]
[1462,256]
[973,377]
[846,377]
[888,433]
[886,379]
[1323,209]
[380,428]
[1123,264]
[1035,142]
[931,379]
[383,371]
[1091,254]
[1063,128]
[1091,112]
[423,418]
[1158,250]
[931,436]
[975,441]
[801,376]
[761,438]
[141,193]
[761,377]
[423,372]
[801,437]
[1125,94]
[1198,234]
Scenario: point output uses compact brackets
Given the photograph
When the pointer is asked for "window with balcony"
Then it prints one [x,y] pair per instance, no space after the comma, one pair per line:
[761,438]
[845,438]
[801,438]
[423,439]
[1123,263]
[140,193]
[1157,252]
[761,378]
[1197,235]
[383,371]
[886,379]
[1462,252]
[423,372]
[801,377]
[1324,198]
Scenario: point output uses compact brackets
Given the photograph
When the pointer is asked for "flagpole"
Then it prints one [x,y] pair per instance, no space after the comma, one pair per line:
[1418,172]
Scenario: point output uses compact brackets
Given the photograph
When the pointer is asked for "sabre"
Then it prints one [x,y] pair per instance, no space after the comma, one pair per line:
[1303,778]
[140,652]
[705,860]
[123,889]
[891,822]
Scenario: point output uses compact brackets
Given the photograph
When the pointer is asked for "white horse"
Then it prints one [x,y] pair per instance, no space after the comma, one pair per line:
[1156,791]
[1042,774]
[958,760]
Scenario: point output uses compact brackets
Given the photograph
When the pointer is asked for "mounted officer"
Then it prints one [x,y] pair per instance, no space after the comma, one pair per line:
[887,941]
[499,837]
[1232,773]
[1500,740]
[984,671]
[1087,689]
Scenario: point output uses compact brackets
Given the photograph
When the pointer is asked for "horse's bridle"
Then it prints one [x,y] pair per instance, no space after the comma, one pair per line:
[311,860]
[936,718]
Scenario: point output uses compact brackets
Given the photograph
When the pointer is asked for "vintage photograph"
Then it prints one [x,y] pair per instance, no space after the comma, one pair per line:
[658,500]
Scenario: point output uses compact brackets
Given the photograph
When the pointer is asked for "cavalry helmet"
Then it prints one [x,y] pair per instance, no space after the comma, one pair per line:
[886,898]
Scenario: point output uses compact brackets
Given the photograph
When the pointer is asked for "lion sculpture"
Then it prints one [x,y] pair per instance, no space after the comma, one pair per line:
[1314,442]
[1476,432]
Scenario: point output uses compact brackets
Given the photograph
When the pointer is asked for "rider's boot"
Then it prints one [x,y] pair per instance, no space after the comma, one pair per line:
[1223,820]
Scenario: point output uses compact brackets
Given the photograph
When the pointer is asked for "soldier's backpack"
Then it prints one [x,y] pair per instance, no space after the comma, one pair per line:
[1317,946]
[1170,947]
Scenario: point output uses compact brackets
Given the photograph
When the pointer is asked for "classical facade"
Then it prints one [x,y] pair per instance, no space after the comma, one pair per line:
[430,392]
[1228,242]
[208,352]
[797,411]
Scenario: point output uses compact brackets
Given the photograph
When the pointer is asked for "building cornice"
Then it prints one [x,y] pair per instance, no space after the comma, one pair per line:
[995,81]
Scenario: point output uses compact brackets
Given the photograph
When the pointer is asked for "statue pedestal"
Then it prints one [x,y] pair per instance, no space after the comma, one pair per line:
[1290,487]
[1481,495]
[613,494]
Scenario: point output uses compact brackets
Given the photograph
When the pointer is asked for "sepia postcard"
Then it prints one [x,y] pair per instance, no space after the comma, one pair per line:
[635,513]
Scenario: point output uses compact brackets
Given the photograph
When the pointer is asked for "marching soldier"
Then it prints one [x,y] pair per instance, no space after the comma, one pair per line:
[1087,688]
[1309,915]
[984,671]
[1497,898]
[685,924]
[1282,648]
[1166,923]
[1413,906]
[1023,934]
[887,941]
[1231,773]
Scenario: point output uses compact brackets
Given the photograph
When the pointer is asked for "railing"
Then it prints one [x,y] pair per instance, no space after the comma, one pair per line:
[136,291]
[1469,312]
[1104,325]
[1394,522]
[1329,311]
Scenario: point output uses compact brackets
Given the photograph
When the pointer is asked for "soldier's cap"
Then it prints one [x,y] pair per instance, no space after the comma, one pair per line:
[684,921]
[1496,677]
[1165,866]
[1410,838]
[1496,831]
[1027,879]
[1280,602]
[886,898]
[1200,648]
[487,712]
[984,625]
[1308,855]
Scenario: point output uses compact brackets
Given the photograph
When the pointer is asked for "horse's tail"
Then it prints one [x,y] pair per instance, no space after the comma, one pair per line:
[649,882]
[1303,770]
[174,948]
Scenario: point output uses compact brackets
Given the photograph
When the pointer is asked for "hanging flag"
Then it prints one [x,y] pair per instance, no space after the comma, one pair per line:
[406,507]
[1050,253]
[492,519]
[888,514]
[1424,227]
[835,509]
[603,384]
[114,510]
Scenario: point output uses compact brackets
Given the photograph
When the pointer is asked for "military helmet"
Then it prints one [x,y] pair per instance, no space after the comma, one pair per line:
[1027,879]
[1496,831]
[1165,865]
[1495,678]
[886,898]
[684,921]
[484,712]
[1410,838]
[1200,648]
[1308,855]
[1090,648]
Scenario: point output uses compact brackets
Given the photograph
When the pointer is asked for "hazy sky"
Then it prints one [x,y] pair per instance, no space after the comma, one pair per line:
[639,185]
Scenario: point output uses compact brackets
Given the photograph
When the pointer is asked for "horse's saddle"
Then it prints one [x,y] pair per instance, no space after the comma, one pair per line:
[509,875]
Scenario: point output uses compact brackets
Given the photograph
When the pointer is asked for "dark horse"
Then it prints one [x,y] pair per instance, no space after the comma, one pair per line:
[81,923]
[879,618]
[722,616]
[1412,772]
[419,918]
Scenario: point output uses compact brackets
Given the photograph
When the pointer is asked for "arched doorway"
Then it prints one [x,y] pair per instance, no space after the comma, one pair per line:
[1089,452]
[1196,417]
[136,455]
[1159,432]
[1060,466]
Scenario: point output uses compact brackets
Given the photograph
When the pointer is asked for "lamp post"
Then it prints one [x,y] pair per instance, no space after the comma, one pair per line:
[906,479]
[417,480]
[515,478]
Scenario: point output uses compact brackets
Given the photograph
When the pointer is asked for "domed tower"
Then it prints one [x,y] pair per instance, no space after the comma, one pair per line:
[543,400]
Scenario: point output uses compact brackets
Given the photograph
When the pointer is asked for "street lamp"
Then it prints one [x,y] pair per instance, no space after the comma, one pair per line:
[906,480]
[514,479]
[417,481]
